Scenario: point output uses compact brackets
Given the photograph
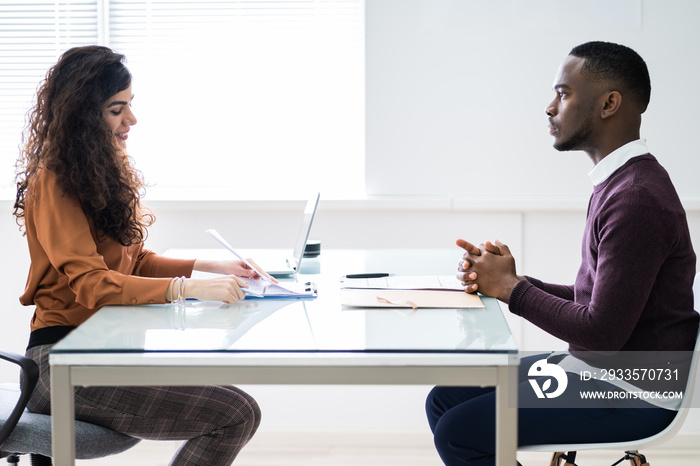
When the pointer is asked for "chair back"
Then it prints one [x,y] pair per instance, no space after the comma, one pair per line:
[30,377]
[22,432]
[666,434]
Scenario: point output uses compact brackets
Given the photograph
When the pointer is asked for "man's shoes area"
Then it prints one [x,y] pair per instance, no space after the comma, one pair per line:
[561,458]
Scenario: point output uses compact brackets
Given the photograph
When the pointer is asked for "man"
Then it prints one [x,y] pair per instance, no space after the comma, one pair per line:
[633,290]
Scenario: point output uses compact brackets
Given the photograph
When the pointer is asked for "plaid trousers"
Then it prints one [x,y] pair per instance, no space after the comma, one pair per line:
[215,421]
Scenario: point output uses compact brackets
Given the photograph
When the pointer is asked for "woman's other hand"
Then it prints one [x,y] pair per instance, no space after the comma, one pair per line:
[226,288]
[237,267]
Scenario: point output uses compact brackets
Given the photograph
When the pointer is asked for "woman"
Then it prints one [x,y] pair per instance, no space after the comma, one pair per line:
[78,201]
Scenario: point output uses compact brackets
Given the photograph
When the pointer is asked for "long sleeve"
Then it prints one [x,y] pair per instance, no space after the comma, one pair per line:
[149,264]
[72,273]
[633,289]
[561,291]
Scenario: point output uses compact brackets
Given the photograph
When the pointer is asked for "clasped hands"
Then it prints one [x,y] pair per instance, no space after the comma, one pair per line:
[488,268]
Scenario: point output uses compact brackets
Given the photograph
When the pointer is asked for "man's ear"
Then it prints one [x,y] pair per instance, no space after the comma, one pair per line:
[611,104]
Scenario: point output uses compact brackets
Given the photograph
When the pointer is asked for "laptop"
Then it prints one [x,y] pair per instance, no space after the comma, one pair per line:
[280,266]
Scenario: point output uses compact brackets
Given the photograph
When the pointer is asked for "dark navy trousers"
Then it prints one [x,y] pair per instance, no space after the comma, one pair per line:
[463,418]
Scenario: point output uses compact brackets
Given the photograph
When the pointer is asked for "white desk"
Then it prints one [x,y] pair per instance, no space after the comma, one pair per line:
[293,342]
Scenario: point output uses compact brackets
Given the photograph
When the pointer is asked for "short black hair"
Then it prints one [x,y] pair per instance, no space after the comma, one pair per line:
[615,62]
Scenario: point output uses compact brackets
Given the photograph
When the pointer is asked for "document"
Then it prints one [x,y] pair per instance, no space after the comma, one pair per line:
[280,290]
[405,282]
[415,292]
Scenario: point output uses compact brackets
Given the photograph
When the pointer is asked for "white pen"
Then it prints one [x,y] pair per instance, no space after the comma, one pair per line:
[215,234]
[250,292]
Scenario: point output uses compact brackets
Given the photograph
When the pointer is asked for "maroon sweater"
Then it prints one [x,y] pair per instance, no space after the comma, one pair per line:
[633,291]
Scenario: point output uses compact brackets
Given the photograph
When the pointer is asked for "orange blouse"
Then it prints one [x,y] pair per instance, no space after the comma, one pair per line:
[72,273]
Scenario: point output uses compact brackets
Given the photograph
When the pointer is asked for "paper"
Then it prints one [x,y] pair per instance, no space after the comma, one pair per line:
[412,291]
[405,282]
[416,299]
[217,236]
[280,290]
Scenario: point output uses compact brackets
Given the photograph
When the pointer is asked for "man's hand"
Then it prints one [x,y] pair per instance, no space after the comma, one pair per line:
[488,268]
[466,276]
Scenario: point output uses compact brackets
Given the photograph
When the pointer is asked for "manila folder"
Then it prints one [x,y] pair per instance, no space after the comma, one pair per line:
[409,298]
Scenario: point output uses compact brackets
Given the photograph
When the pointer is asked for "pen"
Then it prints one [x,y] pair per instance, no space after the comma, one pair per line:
[250,292]
[215,234]
[367,275]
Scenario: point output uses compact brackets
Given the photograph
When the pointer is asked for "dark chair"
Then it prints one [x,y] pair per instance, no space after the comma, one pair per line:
[22,432]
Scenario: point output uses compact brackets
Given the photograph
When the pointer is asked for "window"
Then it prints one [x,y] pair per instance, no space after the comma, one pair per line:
[231,96]
[31,38]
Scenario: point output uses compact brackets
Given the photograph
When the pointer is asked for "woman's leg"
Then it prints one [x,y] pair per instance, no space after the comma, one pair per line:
[216,422]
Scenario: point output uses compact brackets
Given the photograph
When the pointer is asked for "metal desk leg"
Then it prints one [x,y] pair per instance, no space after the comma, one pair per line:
[62,417]
[506,422]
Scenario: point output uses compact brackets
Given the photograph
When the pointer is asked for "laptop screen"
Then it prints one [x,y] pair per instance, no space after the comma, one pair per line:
[303,236]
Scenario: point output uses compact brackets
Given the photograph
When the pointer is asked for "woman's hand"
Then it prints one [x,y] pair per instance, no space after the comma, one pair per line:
[226,288]
[238,268]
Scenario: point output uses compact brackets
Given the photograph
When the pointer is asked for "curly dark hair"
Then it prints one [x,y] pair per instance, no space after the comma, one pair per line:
[67,134]
[617,63]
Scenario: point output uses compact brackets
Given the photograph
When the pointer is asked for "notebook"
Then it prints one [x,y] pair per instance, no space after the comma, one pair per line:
[284,264]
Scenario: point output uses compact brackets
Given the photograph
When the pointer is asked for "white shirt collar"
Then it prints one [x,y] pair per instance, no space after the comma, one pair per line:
[616,159]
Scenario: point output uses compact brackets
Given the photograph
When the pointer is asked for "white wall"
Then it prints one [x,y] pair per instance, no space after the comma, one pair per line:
[456,91]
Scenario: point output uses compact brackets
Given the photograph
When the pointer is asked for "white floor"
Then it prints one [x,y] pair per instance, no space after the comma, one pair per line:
[262,453]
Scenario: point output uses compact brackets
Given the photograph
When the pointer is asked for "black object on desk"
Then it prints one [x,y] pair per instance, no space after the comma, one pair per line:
[367,275]
[312,249]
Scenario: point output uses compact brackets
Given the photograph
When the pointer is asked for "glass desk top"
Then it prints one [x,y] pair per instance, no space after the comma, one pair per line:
[319,324]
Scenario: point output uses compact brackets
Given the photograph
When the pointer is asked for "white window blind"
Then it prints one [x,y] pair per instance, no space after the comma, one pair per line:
[231,96]
[32,36]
